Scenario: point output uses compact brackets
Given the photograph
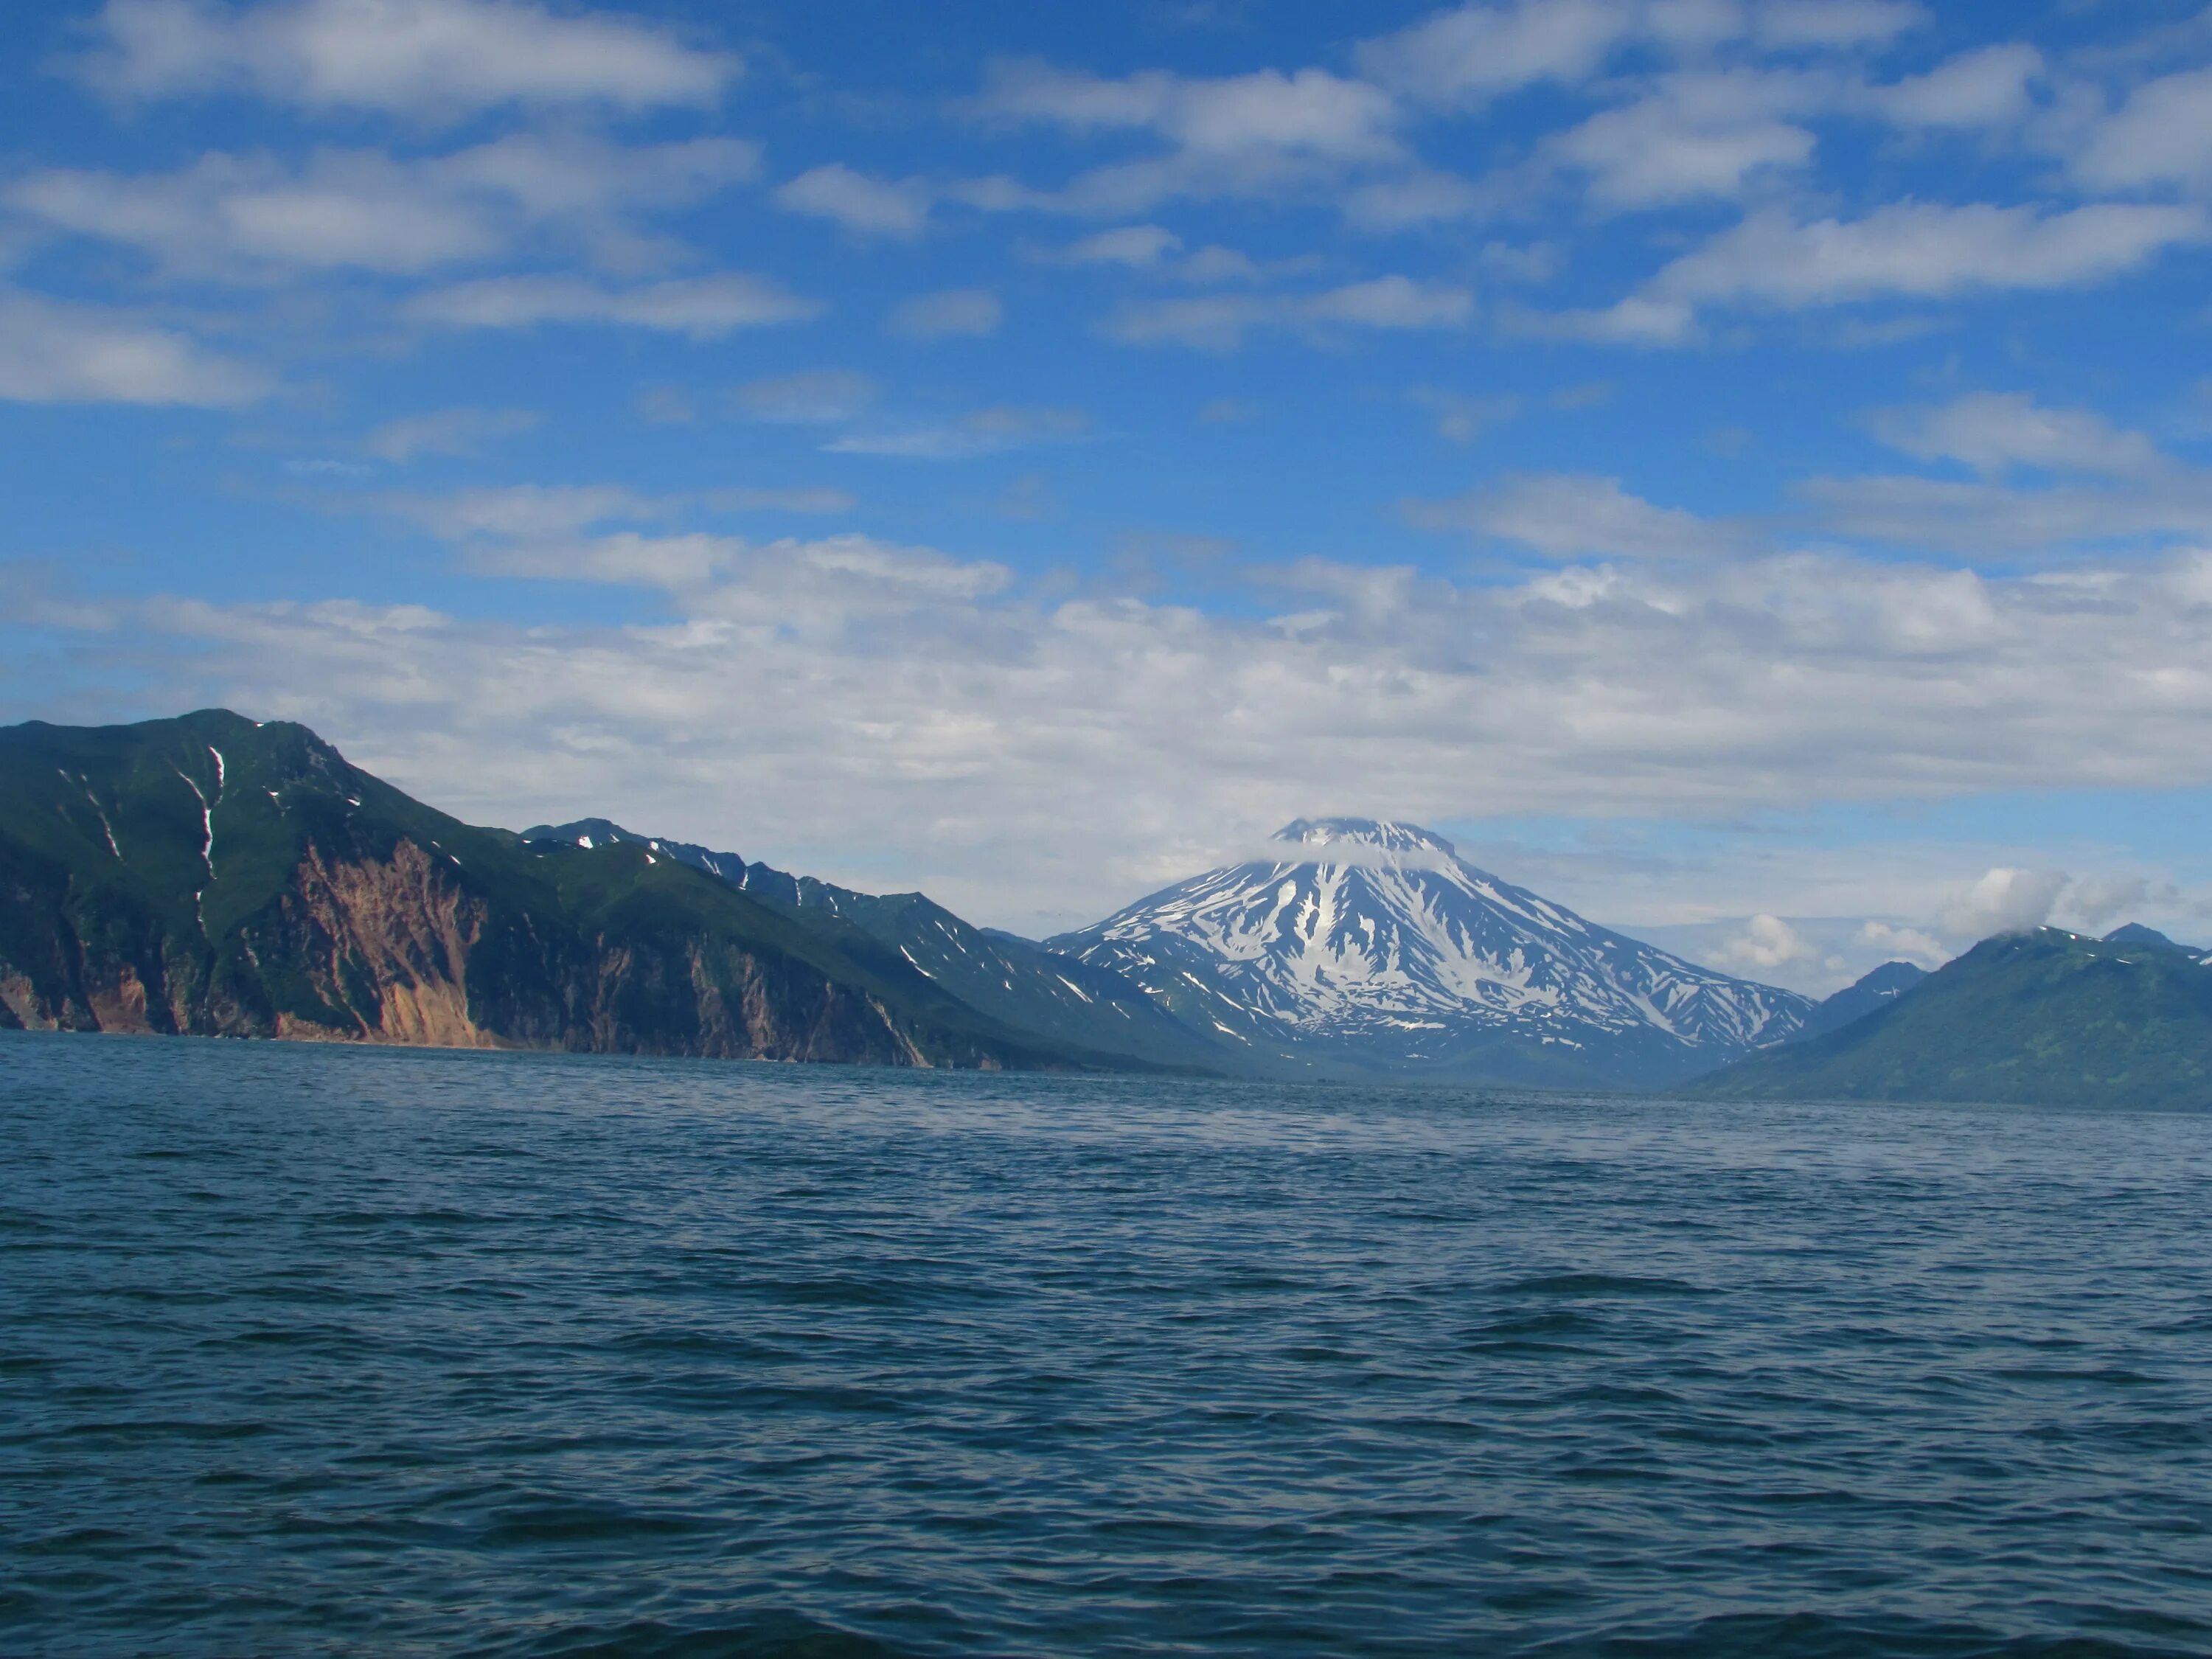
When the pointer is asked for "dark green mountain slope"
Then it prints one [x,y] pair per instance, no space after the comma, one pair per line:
[1010,979]
[2043,1018]
[212,875]
[1856,1001]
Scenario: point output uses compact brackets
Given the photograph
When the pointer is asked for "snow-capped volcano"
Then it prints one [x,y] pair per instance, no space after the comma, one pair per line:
[1373,945]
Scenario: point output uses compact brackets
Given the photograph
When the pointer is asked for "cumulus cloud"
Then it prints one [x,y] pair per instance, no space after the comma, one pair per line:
[701,307]
[55,353]
[1474,53]
[252,218]
[1574,515]
[1012,749]
[864,206]
[1996,432]
[1916,250]
[1988,86]
[1264,134]
[445,431]
[1832,24]
[2161,135]
[1766,943]
[952,312]
[2004,901]
[1218,322]
[1995,515]
[1694,137]
[1904,944]
[1140,246]
[428,59]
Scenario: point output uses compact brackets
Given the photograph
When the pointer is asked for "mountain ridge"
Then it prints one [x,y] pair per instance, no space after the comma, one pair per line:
[1001,975]
[217,876]
[2047,1018]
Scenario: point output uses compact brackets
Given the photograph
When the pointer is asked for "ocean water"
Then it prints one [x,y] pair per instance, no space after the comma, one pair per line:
[318,1351]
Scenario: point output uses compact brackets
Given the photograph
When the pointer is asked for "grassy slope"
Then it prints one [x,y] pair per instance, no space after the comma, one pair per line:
[2041,1018]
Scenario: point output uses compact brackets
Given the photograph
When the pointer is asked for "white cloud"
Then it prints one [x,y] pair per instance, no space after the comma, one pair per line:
[1573,515]
[1392,302]
[55,353]
[526,511]
[1136,245]
[2004,901]
[1310,112]
[864,206]
[1477,51]
[1818,24]
[1218,322]
[1014,753]
[2162,135]
[252,217]
[985,432]
[1994,432]
[1765,944]
[1265,134]
[701,308]
[438,59]
[1909,249]
[1904,943]
[1695,137]
[1987,86]
[814,396]
[445,431]
[1994,516]
[967,312]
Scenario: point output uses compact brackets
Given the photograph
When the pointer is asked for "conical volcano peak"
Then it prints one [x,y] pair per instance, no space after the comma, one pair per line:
[1365,835]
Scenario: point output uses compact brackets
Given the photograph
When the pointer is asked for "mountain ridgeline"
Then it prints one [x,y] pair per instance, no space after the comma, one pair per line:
[216,876]
[2047,1017]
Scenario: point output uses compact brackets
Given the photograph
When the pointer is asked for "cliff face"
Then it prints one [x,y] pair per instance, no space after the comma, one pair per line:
[213,876]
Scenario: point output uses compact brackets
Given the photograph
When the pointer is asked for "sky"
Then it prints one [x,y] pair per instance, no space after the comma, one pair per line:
[1743,468]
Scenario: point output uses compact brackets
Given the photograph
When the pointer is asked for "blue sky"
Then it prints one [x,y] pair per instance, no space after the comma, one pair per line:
[1740,466]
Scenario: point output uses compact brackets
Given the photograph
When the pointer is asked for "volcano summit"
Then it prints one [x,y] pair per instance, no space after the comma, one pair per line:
[1368,946]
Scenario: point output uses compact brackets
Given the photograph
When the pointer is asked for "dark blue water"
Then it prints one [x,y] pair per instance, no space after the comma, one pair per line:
[317,1351]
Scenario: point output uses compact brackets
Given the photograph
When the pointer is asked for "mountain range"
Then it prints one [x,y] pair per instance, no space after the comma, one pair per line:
[218,876]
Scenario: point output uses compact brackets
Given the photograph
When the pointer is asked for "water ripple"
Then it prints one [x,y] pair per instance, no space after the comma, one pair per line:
[338,1351]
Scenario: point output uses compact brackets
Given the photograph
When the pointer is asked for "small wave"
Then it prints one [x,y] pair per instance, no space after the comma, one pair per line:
[1599,1285]
[764,1636]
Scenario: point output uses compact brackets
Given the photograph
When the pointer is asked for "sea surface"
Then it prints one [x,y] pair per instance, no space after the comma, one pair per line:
[327,1351]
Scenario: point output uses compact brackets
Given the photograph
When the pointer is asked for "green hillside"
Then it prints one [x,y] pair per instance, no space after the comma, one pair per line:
[2042,1019]
[213,875]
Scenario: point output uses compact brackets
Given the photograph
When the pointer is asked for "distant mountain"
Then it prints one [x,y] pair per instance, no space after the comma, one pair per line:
[1007,978]
[2043,1018]
[216,876]
[2134,932]
[1364,947]
[1876,990]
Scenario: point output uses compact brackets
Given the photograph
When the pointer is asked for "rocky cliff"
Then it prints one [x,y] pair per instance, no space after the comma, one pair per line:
[210,875]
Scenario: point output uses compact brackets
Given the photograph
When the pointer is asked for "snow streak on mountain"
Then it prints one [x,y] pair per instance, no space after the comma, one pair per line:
[1375,946]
